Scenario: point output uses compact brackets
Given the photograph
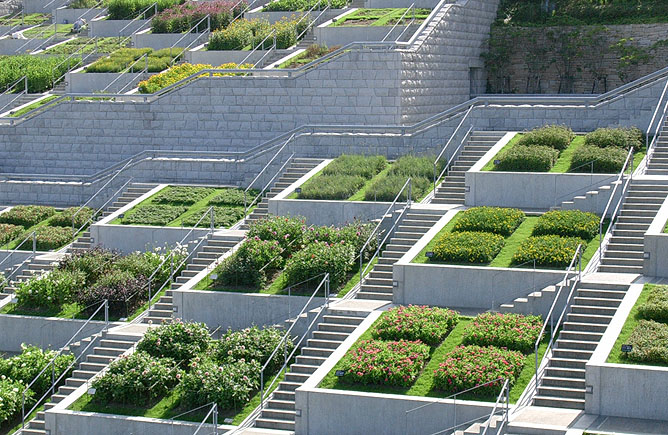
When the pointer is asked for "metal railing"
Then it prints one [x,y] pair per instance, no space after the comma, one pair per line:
[438,176]
[243,11]
[376,233]
[576,262]
[193,29]
[582,190]
[141,15]
[52,364]
[660,120]
[11,88]
[271,34]
[15,26]
[307,15]
[505,396]
[282,344]
[32,236]
[213,412]
[128,69]
[411,7]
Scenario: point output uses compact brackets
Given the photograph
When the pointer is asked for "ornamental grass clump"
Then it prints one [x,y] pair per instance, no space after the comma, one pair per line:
[471,366]
[468,247]
[512,331]
[558,137]
[650,343]
[27,215]
[568,223]
[656,307]
[302,5]
[396,363]
[355,164]
[414,322]
[497,220]
[332,187]
[547,251]
[129,9]
[182,195]
[177,340]
[9,232]
[387,188]
[41,71]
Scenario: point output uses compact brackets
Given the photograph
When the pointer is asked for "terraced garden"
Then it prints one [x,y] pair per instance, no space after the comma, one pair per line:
[382,17]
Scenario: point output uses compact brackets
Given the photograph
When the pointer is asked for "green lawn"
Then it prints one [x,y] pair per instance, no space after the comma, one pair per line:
[424,384]
[630,324]
[33,106]
[665,230]
[381,17]
[27,246]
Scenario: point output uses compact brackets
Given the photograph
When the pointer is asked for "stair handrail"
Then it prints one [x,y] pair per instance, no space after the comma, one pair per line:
[576,261]
[324,282]
[52,389]
[128,69]
[38,36]
[153,6]
[505,396]
[408,185]
[312,22]
[243,11]
[661,120]
[559,199]
[32,236]
[97,212]
[214,413]
[654,115]
[601,237]
[447,145]
[271,34]
[84,57]
[11,88]
[193,29]
[411,7]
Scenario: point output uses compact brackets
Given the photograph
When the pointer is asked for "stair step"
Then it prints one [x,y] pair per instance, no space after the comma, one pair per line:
[561,392]
[559,402]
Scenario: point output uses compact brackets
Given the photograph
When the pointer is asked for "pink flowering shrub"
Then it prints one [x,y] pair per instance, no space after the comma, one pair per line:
[181,18]
[512,331]
[427,324]
[470,366]
[395,363]
[252,344]
[249,265]
[287,231]
[177,340]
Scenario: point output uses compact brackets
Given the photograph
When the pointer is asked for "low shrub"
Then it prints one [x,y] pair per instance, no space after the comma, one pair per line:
[249,265]
[181,18]
[245,33]
[55,288]
[159,215]
[25,367]
[468,247]
[332,187]
[124,292]
[48,237]
[177,340]
[301,5]
[9,232]
[179,72]
[185,195]
[27,215]
[93,263]
[355,234]
[558,137]
[386,188]
[129,9]
[228,385]
[656,306]
[430,325]
[234,197]
[354,164]
[522,158]
[547,251]
[650,343]
[497,220]
[253,344]
[81,216]
[223,217]
[470,366]
[512,331]
[621,137]
[287,231]
[11,399]
[414,167]
[608,160]
[138,379]
[319,258]
[377,362]
[567,223]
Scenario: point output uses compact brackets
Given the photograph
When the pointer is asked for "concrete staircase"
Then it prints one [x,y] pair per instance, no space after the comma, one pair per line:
[297,169]
[378,284]
[478,428]
[132,192]
[215,246]
[563,383]
[110,347]
[22,100]
[624,253]
[335,327]
[452,190]
[658,164]
[35,267]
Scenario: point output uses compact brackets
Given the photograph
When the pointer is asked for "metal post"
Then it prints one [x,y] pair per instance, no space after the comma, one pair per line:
[25,85]
[215,419]
[146,62]
[53,378]
[106,313]
[34,242]
[261,390]
[149,292]
[212,220]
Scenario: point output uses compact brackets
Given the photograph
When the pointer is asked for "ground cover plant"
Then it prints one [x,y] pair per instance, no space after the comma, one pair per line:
[48,30]
[129,9]
[568,223]
[85,46]
[468,247]
[511,331]
[301,5]
[656,306]
[650,343]
[72,217]
[129,59]
[313,52]
[41,102]
[179,72]
[247,34]
[157,214]
[28,20]
[382,17]
[548,251]
[419,169]
[189,369]
[181,18]
[27,215]
[9,232]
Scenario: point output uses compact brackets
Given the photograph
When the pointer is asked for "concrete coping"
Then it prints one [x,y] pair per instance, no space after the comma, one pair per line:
[338,17]
[659,222]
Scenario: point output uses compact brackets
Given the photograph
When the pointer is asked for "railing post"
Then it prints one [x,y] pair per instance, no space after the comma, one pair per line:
[34,242]
[215,419]
[212,220]
[106,313]
[261,390]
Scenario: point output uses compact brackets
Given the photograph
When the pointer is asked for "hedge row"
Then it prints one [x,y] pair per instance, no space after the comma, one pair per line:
[245,33]
[522,158]
[558,137]
[498,220]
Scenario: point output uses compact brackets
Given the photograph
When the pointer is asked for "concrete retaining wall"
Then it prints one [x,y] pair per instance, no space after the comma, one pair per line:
[426,4]
[342,35]
[219,57]
[328,212]
[274,16]
[107,28]
[92,82]
[69,16]
[42,6]
[10,46]
[159,41]
[655,262]
[131,238]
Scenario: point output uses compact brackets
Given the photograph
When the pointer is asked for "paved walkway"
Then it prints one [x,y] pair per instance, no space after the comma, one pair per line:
[618,425]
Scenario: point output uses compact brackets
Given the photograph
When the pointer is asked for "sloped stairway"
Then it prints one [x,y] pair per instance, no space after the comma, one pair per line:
[132,192]
[335,327]
[297,169]
[624,253]
[452,190]
[658,164]
[377,284]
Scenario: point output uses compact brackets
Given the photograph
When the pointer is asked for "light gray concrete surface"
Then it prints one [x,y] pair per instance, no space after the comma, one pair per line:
[426,4]
[10,46]
[42,6]
[66,15]
[220,57]
[328,212]
[108,28]
[342,35]
[131,238]
[159,41]
[624,390]
[655,262]
[94,82]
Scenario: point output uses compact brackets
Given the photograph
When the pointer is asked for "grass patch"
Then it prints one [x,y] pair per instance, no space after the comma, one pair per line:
[359,196]
[47,31]
[33,106]
[505,257]
[28,20]
[566,156]
[631,323]
[84,46]
[421,258]
[381,17]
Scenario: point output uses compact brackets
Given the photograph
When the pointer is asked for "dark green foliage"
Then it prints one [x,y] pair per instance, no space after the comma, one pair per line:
[547,251]
[234,197]
[72,217]
[522,158]
[568,223]
[27,215]
[320,258]
[413,166]
[352,164]
[249,265]
[129,9]
[41,71]
[387,188]
[185,195]
[159,215]
[253,344]
[608,160]
[496,220]
[656,307]
[302,5]
[468,247]
[558,137]
[223,217]
[615,137]
[332,187]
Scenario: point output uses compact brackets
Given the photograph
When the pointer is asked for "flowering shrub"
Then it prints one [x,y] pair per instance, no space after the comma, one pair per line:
[470,366]
[301,5]
[27,215]
[385,362]
[319,258]
[650,343]
[9,232]
[55,288]
[159,215]
[503,221]
[567,223]
[129,59]
[512,331]
[11,398]
[287,231]
[64,218]
[354,234]
[182,18]
[427,324]
[29,363]
[252,344]
[656,307]
[92,262]
[180,72]
[250,33]
[558,137]
[48,237]
[468,247]
[137,379]
[129,9]
[245,266]
[177,340]
[229,385]
[185,195]
[124,292]
[548,251]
